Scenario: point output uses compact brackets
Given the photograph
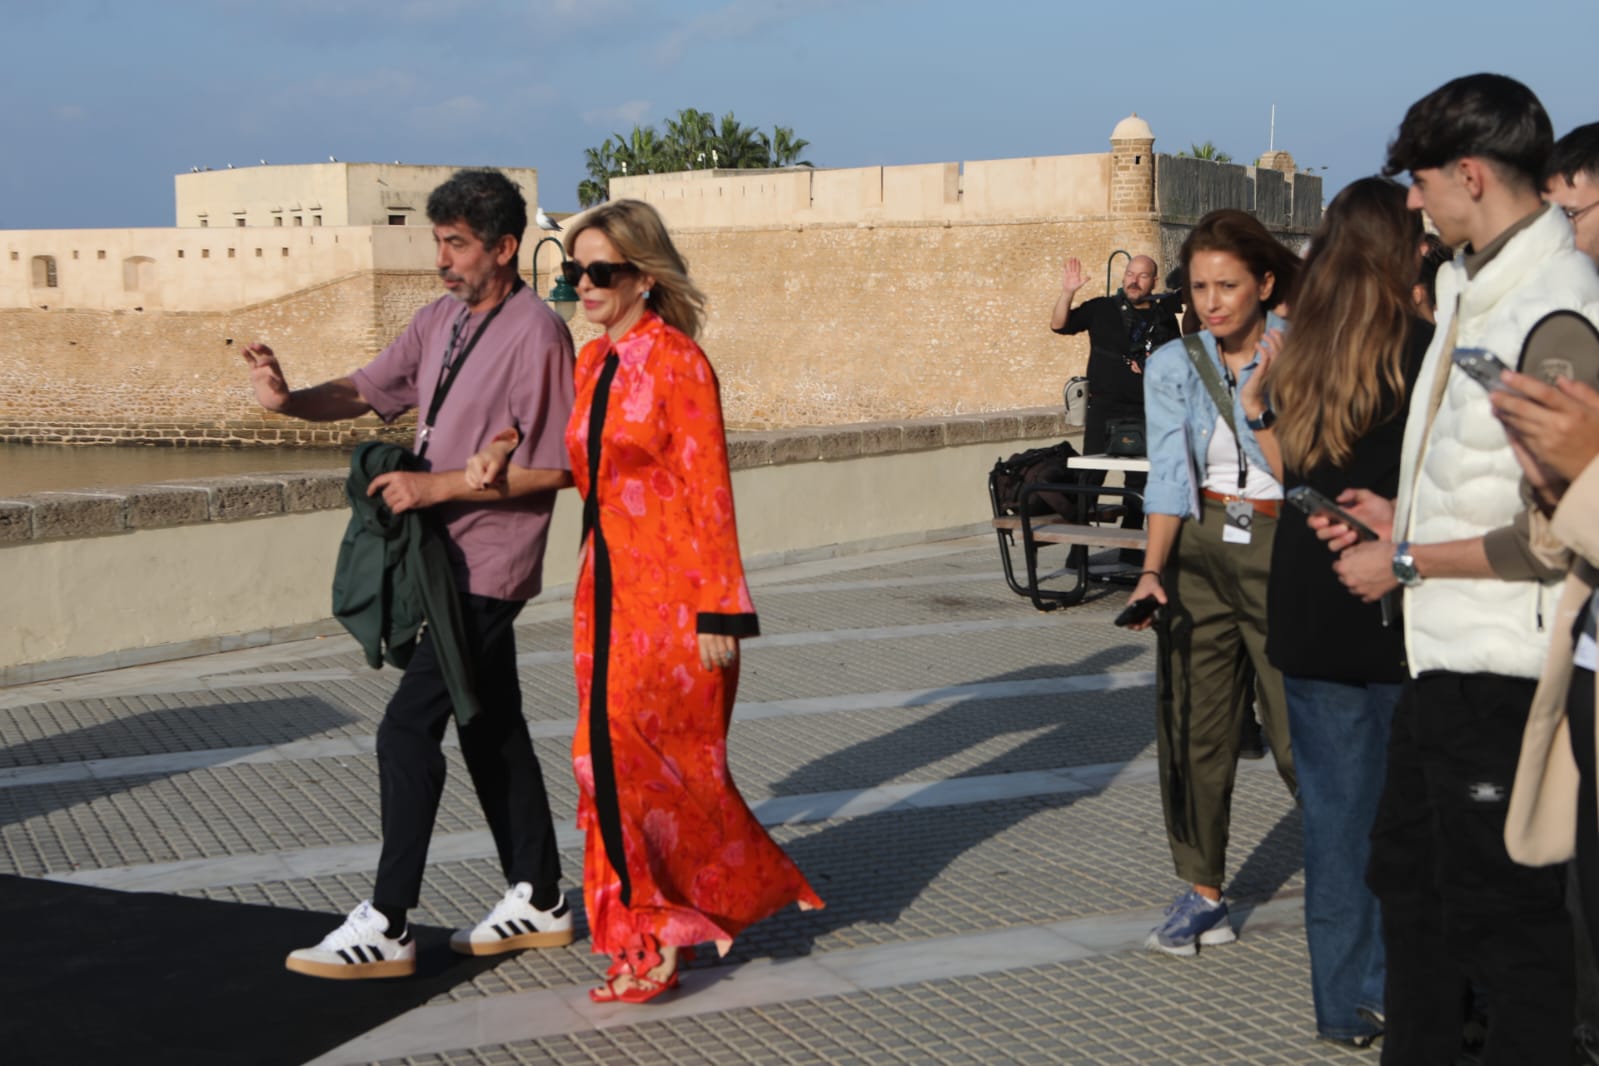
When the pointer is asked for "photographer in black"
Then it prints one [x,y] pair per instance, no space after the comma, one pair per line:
[1122,330]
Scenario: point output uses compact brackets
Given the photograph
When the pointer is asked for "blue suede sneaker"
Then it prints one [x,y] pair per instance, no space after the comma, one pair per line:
[1190,921]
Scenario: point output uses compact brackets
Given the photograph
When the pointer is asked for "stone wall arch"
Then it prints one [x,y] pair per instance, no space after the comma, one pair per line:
[44,272]
[138,273]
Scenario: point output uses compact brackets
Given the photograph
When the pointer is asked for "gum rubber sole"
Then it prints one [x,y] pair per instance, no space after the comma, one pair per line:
[462,944]
[351,971]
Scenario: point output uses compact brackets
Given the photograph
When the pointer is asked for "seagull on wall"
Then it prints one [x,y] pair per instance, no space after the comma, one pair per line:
[545,222]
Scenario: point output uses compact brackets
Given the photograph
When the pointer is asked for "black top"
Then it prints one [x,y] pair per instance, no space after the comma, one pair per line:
[1120,338]
[1315,627]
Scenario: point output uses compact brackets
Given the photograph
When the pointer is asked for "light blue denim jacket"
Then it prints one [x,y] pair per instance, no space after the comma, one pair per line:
[1180,418]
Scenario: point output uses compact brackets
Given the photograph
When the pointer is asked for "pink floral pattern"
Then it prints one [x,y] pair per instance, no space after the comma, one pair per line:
[699,864]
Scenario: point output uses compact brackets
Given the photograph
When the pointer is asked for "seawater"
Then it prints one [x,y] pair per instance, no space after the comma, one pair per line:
[28,468]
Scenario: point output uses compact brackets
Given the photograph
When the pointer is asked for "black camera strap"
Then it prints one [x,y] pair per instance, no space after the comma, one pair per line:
[1220,395]
[451,367]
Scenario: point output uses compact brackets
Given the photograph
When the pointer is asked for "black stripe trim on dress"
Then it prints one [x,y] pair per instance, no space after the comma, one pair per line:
[607,810]
[744,624]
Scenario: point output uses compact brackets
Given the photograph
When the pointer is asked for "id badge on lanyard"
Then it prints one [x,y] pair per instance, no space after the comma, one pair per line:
[1240,513]
[1240,522]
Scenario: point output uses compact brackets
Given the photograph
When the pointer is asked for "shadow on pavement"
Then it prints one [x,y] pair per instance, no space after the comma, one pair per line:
[872,869]
[195,737]
[98,976]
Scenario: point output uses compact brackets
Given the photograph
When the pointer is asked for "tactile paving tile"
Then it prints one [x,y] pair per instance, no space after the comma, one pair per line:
[900,876]
[893,877]
[1246,1004]
[237,809]
[862,749]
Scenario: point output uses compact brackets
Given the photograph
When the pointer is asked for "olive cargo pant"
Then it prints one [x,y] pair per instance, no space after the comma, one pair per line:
[1211,669]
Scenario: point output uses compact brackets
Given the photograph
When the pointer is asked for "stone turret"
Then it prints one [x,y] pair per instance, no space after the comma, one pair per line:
[1277,160]
[1132,167]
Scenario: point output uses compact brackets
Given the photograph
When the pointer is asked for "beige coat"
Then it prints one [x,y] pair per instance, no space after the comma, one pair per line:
[1541,826]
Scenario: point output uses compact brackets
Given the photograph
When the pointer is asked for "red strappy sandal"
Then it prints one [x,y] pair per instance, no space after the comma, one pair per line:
[635,963]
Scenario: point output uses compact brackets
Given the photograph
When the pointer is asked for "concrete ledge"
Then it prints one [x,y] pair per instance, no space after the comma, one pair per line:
[130,576]
[104,512]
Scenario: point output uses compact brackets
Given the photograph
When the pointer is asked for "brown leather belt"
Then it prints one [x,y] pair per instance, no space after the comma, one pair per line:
[1269,508]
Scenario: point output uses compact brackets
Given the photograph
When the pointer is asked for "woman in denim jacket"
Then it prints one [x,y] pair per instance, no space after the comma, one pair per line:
[1212,502]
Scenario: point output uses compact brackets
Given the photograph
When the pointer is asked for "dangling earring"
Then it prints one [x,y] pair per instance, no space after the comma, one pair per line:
[646,295]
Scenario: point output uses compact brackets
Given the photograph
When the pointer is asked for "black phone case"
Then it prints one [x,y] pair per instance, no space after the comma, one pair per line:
[1137,611]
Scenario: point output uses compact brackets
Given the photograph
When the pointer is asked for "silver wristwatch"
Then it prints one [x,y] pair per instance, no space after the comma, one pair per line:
[1405,571]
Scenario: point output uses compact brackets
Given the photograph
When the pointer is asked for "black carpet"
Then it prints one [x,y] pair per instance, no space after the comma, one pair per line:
[90,975]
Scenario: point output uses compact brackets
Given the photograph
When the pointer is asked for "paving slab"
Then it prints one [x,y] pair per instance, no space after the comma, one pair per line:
[968,782]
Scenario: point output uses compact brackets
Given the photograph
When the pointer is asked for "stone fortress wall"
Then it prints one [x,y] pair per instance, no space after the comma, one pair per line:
[836,296]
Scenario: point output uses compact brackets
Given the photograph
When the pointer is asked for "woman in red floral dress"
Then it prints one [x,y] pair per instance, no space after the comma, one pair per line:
[673,855]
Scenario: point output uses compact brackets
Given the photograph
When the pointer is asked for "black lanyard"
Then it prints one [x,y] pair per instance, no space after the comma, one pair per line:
[1238,441]
[452,366]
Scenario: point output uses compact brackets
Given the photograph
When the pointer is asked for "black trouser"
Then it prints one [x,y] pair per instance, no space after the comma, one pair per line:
[498,752]
[1455,907]
[1094,437]
[1580,725]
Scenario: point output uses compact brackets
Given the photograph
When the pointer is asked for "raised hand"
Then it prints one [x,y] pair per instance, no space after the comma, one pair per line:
[1253,395]
[266,376]
[1072,276]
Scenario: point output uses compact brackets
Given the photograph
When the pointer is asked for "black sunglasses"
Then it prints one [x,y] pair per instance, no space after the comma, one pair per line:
[602,274]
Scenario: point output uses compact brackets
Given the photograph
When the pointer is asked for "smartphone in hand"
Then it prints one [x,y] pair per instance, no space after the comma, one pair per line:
[1137,611]
[1312,502]
[1483,367]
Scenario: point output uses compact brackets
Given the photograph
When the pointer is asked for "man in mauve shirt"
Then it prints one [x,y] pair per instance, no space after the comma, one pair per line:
[501,357]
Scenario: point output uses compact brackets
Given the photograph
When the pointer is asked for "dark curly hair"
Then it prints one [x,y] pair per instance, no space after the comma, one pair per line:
[486,200]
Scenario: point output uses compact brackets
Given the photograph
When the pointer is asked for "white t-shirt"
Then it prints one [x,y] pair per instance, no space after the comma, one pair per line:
[1221,469]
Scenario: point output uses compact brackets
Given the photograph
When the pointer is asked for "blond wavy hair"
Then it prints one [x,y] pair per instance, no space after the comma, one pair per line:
[638,233]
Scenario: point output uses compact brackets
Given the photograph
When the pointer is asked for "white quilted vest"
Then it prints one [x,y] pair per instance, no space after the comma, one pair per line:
[1469,481]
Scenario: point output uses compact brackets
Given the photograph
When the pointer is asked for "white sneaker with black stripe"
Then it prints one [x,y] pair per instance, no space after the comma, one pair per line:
[514,924]
[359,948]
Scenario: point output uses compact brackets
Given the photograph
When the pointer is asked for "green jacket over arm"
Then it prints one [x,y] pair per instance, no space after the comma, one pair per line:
[393,575]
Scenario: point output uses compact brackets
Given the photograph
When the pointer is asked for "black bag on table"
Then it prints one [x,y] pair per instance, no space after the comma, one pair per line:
[1047,465]
[1124,438]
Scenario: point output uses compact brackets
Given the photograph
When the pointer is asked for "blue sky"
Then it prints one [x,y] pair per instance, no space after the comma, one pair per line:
[107,99]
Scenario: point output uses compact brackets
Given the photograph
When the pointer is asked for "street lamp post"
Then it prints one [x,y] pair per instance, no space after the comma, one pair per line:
[1109,262]
[562,296]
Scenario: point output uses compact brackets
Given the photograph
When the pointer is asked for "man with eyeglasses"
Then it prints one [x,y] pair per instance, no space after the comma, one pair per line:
[1123,329]
[1572,183]
[486,355]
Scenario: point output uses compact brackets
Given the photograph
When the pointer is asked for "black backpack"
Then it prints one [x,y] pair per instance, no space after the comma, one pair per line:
[1037,465]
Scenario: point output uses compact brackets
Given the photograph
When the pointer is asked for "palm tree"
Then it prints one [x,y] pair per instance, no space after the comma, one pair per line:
[738,146]
[641,152]
[600,163]
[689,136]
[783,148]
[693,140]
[1207,151]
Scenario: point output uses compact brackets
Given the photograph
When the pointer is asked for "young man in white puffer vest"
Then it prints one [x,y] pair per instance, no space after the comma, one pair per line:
[1477,601]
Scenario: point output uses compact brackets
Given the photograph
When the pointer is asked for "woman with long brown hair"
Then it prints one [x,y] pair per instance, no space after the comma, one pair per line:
[1212,502]
[1340,388]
